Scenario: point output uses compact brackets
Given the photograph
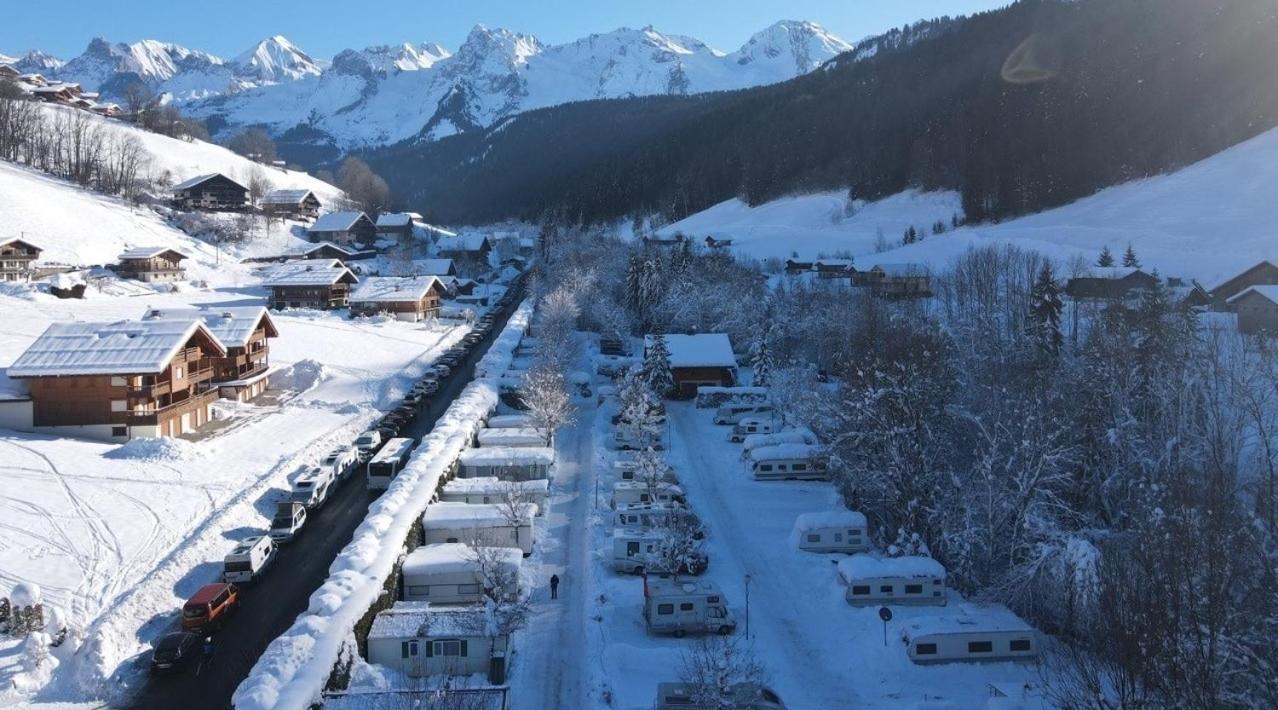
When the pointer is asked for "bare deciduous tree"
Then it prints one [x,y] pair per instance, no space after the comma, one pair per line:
[721,673]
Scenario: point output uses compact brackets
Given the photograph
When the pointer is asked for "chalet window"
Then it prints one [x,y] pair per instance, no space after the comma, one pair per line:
[925,649]
[885,589]
[468,589]
[980,646]
[913,589]
[814,538]
[1019,645]
[665,609]
[450,647]
[119,431]
[408,649]
[119,405]
[177,372]
[117,381]
[685,606]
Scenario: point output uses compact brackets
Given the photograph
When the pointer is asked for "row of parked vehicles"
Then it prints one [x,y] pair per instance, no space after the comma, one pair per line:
[380,452]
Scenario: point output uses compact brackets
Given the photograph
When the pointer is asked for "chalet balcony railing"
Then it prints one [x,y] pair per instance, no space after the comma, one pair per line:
[152,416]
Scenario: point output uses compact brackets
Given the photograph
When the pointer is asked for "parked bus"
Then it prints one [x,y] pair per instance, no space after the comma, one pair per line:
[388,462]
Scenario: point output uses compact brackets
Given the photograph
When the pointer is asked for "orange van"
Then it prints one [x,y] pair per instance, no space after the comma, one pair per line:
[208,608]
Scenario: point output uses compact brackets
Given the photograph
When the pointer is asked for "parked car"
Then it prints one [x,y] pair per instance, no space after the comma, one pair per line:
[368,443]
[173,651]
[289,518]
[442,370]
[747,696]
[206,611]
[413,398]
[429,388]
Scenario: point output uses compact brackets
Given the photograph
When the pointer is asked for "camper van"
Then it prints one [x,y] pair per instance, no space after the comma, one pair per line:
[623,440]
[249,559]
[489,489]
[631,492]
[388,462]
[289,518]
[683,606]
[789,436]
[649,515]
[627,470]
[788,462]
[911,580]
[973,632]
[733,413]
[366,444]
[341,461]
[746,696]
[633,549]
[311,488]
[449,573]
[751,425]
[831,531]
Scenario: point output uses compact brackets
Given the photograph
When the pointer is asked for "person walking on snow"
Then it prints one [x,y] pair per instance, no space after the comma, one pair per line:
[554,586]
[208,652]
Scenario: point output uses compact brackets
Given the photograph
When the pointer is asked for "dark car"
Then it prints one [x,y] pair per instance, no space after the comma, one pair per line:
[174,651]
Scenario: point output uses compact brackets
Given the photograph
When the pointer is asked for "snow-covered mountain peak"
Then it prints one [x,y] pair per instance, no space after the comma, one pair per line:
[799,44]
[34,62]
[495,50]
[149,61]
[276,59]
[404,57]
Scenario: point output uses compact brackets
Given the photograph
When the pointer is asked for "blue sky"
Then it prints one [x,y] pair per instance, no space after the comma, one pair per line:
[325,27]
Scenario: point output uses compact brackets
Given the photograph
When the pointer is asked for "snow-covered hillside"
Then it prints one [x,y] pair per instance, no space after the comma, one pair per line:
[385,94]
[1207,221]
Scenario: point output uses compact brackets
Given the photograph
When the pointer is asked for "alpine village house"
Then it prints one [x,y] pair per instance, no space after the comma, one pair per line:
[699,359]
[245,332]
[343,228]
[322,284]
[291,204]
[404,298]
[214,191]
[151,265]
[16,257]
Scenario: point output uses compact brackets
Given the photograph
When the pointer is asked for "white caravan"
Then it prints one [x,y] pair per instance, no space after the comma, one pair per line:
[311,488]
[518,437]
[509,421]
[486,524]
[649,515]
[631,492]
[751,425]
[733,413]
[682,606]
[249,559]
[831,531]
[450,573]
[911,580]
[972,632]
[421,640]
[489,489]
[789,436]
[506,462]
[788,462]
[633,550]
[626,471]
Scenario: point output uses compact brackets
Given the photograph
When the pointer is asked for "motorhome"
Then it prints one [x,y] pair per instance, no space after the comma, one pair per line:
[751,425]
[682,606]
[634,550]
[831,531]
[911,580]
[789,436]
[366,444]
[387,463]
[518,437]
[788,462]
[630,492]
[628,471]
[487,524]
[489,489]
[249,559]
[311,487]
[342,461]
[452,572]
[733,413]
[289,518]
[650,515]
[506,463]
[972,632]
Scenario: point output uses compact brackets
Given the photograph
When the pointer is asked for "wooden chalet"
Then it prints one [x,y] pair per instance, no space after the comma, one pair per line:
[795,267]
[291,204]
[833,268]
[116,381]
[699,359]
[1109,284]
[343,228]
[8,73]
[1257,309]
[895,280]
[404,298]
[1263,274]
[57,93]
[152,265]
[214,191]
[16,257]
[322,284]
[245,332]
[714,243]
[435,267]
[475,247]
[397,225]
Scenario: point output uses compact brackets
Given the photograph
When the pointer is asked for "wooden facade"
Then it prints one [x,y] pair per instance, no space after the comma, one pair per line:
[320,297]
[688,379]
[418,298]
[343,228]
[152,265]
[16,257]
[794,266]
[292,204]
[245,333]
[1114,285]
[1257,309]
[1262,274]
[210,192]
[895,280]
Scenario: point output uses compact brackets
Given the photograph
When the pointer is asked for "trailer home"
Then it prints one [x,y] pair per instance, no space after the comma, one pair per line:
[486,524]
[388,462]
[311,487]
[515,437]
[682,606]
[489,489]
[450,573]
[751,425]
[649,515]
[733,413]
[831,531]
[510,421]
[912,580]
[788,462]
[249,559]
[972,632]
[506,462]
[420,640]
[626,493]
[629,471]
[634,549]
[791,436]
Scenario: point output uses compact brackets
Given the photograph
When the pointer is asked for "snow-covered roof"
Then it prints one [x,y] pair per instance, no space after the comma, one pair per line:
[508,456]
[661,486]
[511,435]
[833,263]
[192,182]
[509,421]
[407,620]
[864,566]
[286,196]
[461,242]
[150,253]
[317,272]
[1112,272]
[486,485]
[794,436]
[966,618]
[394,289]
[1269,291]
[902,270]
[15,240]
[1259,265]
[437,267]
[451,557]
[464,516]
[394,219]
[789,450]
[698,350]
[829,519]
[310,248]
[119,348]
[233,325]
[336,221]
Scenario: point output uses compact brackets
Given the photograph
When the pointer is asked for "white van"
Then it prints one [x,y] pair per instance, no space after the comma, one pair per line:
[751,425]
[733,413]
[649,515]
[623,441]
[366,444]
[341,461]
[681,606]
[249,559]
[630,492]
[288,521]
[311,488]
[788,462]
[634,548]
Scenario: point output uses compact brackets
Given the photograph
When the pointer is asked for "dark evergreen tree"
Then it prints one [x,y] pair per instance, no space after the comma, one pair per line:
[1106,257]
[761,358]
[655,372]
[1045,313]
[1129,257]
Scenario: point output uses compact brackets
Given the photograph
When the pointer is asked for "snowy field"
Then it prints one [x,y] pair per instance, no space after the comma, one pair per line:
[119,536]
[1207,221]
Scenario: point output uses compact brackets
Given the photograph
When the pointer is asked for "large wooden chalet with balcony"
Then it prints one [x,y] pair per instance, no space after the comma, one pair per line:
[116,381]
[16,257]
[403,298]
[245,332]
[322,284]
[343,228]
[215,192]
[151,265]
[292,203]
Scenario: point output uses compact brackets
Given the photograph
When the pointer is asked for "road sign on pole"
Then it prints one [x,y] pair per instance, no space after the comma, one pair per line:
[886,615]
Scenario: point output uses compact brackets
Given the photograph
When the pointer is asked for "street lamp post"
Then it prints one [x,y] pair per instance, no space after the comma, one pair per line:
[747,619]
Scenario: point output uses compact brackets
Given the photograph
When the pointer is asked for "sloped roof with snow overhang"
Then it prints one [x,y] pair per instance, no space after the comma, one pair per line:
[233,325]
[337,221]
[698,350]
[317,272]
[151,253]
[394,289]
[200,179]
[1266,291]
[287,197]
[119,348]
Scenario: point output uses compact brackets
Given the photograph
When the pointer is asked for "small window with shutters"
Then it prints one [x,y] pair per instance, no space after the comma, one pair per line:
[408,649]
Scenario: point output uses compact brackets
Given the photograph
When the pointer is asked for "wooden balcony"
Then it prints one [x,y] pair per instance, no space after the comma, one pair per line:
[152,417]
